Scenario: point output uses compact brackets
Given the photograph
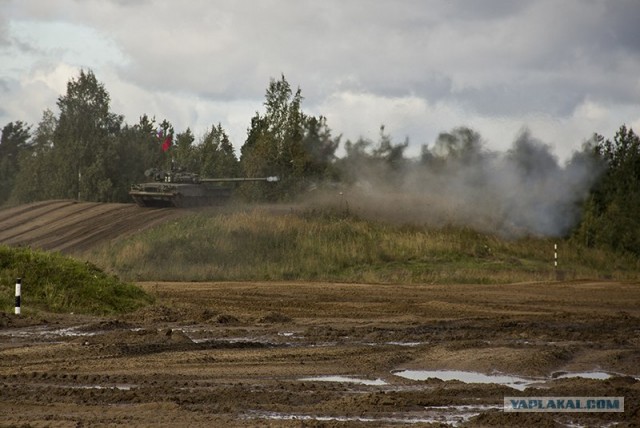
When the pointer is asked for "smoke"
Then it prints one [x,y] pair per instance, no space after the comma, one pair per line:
[523,191]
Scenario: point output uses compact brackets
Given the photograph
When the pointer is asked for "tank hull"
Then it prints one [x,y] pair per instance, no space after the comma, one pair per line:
[179,195]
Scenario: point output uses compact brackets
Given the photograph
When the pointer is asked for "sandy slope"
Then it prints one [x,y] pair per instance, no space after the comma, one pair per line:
[70,227]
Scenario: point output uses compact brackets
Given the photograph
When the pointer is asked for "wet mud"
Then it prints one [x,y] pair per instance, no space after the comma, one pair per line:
[334,355]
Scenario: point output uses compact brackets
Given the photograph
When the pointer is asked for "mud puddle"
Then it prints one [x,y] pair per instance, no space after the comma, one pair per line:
[515,382]
[44,332]
[448,415]
[176,364]
[346,379]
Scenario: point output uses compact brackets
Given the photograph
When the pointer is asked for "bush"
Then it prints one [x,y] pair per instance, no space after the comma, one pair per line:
[56,283]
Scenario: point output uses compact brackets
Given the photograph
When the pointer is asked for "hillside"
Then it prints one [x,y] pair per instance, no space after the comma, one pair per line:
[71,227]
[285,242]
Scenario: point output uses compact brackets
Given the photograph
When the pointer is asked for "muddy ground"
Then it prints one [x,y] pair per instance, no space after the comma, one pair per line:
[310,354]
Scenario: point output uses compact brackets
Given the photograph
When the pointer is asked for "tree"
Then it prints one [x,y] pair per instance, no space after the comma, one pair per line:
[139,149]
[284,142]
[215,155]
[36,164]
[611,216]
[461,146]
[14,141]
[391,154]
[84,141]
[257,159]
[182,150]
[377,164]
[320,148]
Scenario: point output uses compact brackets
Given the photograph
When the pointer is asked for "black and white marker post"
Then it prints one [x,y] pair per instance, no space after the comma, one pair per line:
[18,291]
[559,273]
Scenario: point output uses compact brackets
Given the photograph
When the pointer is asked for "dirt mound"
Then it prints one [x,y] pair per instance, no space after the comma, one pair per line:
[72,227]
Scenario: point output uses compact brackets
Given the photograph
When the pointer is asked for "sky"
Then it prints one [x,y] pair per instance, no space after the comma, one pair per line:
[560,69]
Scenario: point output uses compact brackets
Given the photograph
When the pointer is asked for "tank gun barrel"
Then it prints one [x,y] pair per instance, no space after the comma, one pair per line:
[240,179]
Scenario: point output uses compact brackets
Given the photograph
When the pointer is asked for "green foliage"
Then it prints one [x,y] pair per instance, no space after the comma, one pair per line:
[88,153]
[13,143]
[286,143]
[36,165]
[55,283]
[182,150]
[612,212]
[84,141]
[139,149]
[331,244]
[215,155]
[76,154]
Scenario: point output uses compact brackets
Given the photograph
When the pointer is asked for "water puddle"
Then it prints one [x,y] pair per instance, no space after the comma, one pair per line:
[407,344]
[45,332]
[114,387]
[447,415]
[290,334]
[515,382]
[231,340]
[583,375]
[345,379]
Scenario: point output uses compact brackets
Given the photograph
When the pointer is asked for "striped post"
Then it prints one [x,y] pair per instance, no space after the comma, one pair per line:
[559,273]
[18,291]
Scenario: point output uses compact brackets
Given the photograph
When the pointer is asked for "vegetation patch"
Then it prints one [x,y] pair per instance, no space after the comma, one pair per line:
[262,244]
[55,283]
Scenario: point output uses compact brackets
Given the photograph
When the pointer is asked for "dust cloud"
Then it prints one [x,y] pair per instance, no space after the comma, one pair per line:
[524,191]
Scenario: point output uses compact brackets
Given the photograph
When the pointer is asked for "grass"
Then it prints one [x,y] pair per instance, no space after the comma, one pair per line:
[332,245]
[55,283]
[275,244]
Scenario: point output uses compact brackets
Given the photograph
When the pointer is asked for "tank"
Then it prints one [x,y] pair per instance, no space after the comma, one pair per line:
[182,189]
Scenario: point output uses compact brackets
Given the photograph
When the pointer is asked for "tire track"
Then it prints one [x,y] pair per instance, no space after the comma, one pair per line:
[72,227]
[12,220]
[21,227]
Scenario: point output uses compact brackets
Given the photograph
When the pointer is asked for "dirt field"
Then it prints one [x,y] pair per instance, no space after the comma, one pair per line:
[308,354]
[69,226]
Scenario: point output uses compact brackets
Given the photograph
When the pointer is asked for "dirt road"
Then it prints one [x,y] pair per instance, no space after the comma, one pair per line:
[70,227]
[310,354]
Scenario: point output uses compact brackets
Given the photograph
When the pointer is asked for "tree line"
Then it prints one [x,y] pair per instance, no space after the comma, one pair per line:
[87,152]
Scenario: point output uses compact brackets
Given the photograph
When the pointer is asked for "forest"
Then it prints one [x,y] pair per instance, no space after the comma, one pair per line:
[87,152]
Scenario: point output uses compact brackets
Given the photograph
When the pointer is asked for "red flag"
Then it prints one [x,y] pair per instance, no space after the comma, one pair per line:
[166,144]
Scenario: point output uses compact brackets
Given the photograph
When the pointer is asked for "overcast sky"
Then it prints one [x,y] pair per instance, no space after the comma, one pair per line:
[563,69]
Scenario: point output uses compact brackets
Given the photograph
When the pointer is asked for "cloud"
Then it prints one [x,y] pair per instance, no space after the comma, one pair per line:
[35,92]
[418,67]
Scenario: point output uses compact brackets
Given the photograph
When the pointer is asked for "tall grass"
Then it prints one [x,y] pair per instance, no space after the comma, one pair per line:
[331,245]
[56,283]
